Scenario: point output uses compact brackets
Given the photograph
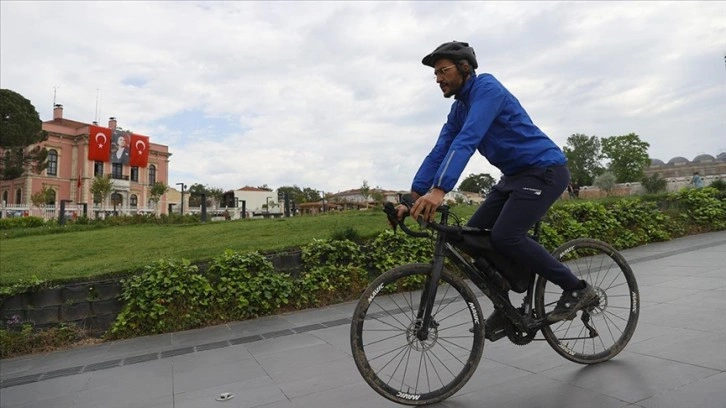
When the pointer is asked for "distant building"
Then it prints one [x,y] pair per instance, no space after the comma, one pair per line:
[70,175]
[251,202]
[704,164]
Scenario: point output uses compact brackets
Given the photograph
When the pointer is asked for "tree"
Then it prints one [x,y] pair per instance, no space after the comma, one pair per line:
[212,194]
[654,184]
[43,197]
[605,182]
[101,188]
[583,158]
[294,193]
[628,156]
[157,190]
[298,195]
[377,195]
[365,191]
[311,195]
[476,183]
[21,128]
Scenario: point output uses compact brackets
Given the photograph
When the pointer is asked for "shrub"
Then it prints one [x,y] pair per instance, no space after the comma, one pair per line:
[719,185]
[21,222]
[322,252]
[605,182]
[168,296]
[325,285]
[654,184]
[349,234]
[247,285]
[19,338]
[388,250]
[701,210]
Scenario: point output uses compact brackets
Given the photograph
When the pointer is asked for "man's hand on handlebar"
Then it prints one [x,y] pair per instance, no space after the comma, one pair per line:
[427,205]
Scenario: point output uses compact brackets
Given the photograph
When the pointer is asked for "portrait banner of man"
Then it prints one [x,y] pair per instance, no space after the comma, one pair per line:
[120,149]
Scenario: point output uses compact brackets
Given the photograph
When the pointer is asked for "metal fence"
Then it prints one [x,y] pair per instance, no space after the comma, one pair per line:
[72,211]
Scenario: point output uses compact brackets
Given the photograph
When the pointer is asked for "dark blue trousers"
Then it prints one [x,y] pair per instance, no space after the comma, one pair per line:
[512,208]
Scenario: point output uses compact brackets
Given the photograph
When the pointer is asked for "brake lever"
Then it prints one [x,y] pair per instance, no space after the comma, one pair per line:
[392,215]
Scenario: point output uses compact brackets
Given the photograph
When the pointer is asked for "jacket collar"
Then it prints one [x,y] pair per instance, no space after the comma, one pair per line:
[465,90]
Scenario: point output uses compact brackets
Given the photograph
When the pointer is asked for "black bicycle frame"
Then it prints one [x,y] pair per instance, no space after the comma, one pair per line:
[443,250]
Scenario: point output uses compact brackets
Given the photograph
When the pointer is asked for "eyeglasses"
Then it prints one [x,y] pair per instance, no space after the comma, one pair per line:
[442,71]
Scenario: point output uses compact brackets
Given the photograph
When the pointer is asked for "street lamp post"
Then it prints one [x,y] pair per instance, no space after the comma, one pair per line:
[114,199]
[183,186]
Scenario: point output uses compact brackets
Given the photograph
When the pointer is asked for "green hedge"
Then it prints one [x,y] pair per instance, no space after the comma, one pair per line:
[172,295]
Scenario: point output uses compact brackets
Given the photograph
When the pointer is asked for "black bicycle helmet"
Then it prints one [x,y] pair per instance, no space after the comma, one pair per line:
[454,50]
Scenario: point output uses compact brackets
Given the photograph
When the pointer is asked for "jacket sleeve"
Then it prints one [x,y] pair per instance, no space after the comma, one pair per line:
[486,104]
[423,180]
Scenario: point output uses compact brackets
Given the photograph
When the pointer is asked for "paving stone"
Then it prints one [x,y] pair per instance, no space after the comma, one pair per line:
[707,393]
[303,359]
[630,377]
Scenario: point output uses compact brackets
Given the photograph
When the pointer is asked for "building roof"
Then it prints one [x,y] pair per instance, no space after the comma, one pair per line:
[67,123]
[678,160]
[248,188]
[656,162]
[704,158]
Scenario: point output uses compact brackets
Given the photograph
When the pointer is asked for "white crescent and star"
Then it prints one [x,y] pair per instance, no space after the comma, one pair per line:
[143,146]
[100,145]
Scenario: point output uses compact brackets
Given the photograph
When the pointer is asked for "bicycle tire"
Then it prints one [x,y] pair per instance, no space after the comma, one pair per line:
[614,318]
[405,369]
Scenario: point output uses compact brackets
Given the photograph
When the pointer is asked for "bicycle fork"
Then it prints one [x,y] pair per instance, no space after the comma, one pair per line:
[424,319]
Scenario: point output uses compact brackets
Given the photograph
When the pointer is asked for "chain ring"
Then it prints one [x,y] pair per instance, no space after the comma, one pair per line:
[517,337]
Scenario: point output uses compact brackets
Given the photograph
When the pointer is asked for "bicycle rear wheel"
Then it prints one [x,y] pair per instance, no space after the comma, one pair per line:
[615,316]
[389,356]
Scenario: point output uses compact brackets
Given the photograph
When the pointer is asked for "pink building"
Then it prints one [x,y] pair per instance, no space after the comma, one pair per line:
[70,175]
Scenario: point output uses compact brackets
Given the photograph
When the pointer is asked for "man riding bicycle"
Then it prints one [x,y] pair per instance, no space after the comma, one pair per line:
[486,117]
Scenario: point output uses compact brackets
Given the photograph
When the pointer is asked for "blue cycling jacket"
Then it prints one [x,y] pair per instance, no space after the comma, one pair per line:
[488,118]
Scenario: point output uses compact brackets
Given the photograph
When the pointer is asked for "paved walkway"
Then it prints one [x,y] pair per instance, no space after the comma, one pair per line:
[676,359]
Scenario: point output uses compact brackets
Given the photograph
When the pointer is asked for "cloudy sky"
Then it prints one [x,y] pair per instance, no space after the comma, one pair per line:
[328,94]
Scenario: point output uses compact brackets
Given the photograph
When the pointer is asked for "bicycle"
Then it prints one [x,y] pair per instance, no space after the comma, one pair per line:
[417,333]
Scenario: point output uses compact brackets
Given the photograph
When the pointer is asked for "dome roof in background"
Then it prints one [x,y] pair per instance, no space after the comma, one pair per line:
[704,158]
[678,160]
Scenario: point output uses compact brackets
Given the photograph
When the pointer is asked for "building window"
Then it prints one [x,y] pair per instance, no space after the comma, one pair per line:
[152,175]
[133,200]
[135,174]
[52,169]
[98,168]
[116,199]
[51,198]
[18,195]
[117,171]
[5,197]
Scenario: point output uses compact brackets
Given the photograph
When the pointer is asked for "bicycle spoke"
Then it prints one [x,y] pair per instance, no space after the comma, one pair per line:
[607,271]
[387,350]
[401,350]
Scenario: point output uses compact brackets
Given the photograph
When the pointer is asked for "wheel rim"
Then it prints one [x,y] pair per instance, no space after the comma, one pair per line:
[613,317]
[409,370]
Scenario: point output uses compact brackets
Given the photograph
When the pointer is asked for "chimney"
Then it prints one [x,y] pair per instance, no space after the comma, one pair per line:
[58,112]
[112,123]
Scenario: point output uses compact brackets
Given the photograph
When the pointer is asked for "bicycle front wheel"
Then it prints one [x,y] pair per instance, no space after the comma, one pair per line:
[601,331]
[389,355]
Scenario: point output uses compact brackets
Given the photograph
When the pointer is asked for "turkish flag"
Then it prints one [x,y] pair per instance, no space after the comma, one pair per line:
[139,156]
[99,143]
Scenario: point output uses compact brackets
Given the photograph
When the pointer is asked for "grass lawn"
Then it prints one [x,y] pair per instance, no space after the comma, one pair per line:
[120,250]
